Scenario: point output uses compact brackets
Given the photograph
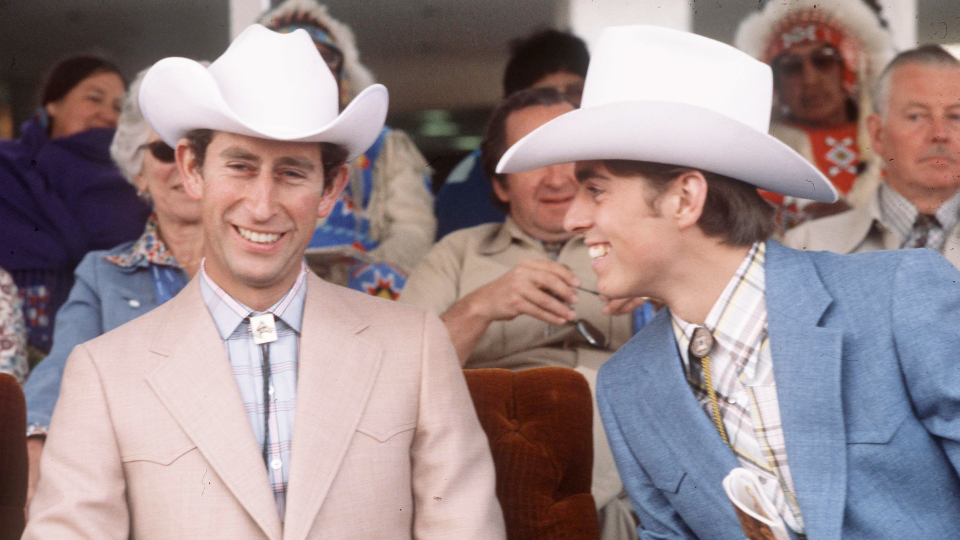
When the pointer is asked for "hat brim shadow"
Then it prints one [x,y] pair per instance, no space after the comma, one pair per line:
[179,95]
[672,133]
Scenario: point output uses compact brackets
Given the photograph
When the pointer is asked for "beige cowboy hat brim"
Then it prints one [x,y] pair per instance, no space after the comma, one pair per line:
[672,133]
[179,95]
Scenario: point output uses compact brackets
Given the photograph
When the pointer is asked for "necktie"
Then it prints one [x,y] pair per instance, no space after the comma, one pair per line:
[264,330]
[700,346]
[922,228]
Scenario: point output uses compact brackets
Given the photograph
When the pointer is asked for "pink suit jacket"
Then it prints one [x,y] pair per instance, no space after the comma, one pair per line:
[150,439]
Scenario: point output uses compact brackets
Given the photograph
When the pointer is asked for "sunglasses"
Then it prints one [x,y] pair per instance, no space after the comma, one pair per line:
[161,151]
[790,66]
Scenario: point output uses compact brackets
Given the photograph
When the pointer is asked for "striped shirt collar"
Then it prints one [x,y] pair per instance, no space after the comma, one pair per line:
[228,313]
[736,315]
[899,214]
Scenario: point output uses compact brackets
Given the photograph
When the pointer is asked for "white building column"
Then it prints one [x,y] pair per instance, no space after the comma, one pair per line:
[586,18]
[901,15]
[243,13]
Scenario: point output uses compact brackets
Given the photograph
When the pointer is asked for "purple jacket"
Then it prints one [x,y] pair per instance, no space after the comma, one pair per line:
[60,199]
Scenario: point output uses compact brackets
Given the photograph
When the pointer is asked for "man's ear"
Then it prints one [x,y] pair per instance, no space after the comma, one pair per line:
[332,191]
[189,170]
[690,196]
[500,189]
[875,129]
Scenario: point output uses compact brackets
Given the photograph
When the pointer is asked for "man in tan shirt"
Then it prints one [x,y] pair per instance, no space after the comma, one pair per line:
[916,130]
[510,294]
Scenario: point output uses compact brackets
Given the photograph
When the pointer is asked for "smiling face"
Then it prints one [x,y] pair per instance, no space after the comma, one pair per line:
[260,200]
[919,134]
[631,242]
[538,199]
[162,180]
[93,103]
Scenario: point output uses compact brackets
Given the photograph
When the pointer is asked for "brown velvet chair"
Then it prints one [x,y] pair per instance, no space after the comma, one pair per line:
[13,458]
[539,423]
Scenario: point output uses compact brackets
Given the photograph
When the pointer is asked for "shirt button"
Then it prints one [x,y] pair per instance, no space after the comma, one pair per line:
[134,303]
[276,464]
[733,400]
[270,390]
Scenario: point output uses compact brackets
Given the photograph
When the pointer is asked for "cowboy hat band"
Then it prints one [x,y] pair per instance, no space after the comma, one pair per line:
[267,85]
[661,95]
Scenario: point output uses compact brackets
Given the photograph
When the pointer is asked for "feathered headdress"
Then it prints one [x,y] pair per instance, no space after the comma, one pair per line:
[849,25]
[293,14]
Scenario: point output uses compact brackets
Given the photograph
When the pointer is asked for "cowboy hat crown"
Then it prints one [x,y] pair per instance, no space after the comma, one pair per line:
[666,96]
[267,85]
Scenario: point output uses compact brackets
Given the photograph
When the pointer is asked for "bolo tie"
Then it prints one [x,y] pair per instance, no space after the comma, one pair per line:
[700,346]
[264,330]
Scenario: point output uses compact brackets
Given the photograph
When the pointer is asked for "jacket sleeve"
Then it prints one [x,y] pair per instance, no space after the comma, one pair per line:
[454,481]
[925,312]
[78,320]
[658,520]
[401,211]
[82,493]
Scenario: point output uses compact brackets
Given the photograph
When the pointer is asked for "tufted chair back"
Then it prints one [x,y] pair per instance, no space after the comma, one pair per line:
[539,423]
[13,458]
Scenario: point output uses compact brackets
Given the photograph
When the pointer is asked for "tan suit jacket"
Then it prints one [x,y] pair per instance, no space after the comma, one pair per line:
[150,438]
[857,231]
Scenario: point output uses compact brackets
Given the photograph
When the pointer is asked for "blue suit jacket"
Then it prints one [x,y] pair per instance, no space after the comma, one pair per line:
[104,296]
[866,353]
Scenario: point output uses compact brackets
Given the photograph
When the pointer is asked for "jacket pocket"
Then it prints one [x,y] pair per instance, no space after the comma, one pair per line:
[384,433]
[161,456]
[875,433]
[668,481]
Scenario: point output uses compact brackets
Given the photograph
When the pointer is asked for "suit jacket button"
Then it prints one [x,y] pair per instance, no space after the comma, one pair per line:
[134,303]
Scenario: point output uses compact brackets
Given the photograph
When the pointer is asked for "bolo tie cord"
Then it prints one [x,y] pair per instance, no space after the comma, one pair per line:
[265,365]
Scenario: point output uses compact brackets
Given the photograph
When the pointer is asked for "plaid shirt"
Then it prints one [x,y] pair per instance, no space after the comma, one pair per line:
[246,357]
[899,215]
[742,371]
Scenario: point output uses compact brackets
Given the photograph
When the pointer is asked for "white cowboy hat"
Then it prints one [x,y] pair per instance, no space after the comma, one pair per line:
[666,96]
[267,85]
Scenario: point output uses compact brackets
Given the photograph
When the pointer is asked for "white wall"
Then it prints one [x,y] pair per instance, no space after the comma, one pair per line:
[587,18]
[243,13]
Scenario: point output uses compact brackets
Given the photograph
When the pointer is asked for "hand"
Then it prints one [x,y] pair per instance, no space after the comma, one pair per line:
[817,210]
[34,449]
[621,306]
[534,287]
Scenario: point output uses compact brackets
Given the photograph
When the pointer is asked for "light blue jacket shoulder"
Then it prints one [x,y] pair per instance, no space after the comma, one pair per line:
[104,296]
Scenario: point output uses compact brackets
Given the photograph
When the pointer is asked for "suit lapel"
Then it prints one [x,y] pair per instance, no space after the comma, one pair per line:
[677,419]
[336,374]
[807,362]
[197,386]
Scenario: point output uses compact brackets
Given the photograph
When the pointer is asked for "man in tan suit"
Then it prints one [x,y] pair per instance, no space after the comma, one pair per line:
[916,132]
[262,402]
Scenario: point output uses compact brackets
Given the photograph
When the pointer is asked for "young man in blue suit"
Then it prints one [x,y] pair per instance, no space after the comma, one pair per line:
[832,378]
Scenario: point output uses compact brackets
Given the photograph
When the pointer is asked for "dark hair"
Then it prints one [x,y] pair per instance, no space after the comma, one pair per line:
[332,156]
[494,143]
[733,210]
[69,72]
[545,52]
[926,55]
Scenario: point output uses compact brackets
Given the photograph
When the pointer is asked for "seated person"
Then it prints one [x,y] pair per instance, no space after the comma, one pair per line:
[547,58]
[115,286]
[13,336]
[915,133]
[511,293]
[383,224]
[62,195]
